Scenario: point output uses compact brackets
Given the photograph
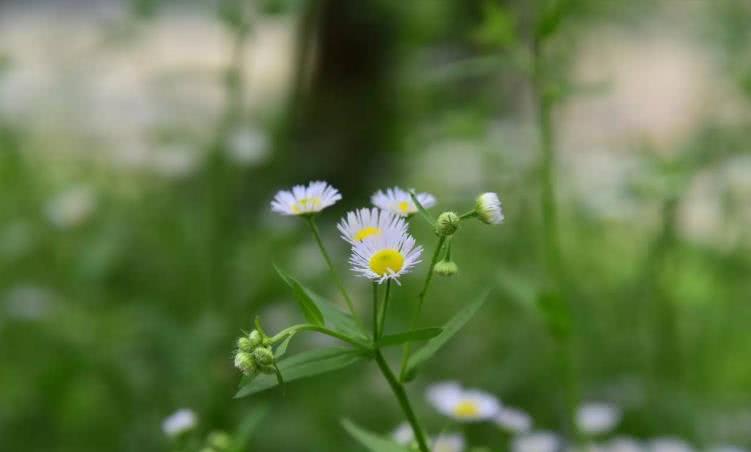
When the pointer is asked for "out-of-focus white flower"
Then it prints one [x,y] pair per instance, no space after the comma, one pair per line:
[513,420]
[467,405]
[386,256]
[179,422]
[28,302]
[595,418]
[175,161]
[363,223]
[488,208]
[623,444]
[541,441]
[403,434]
[304,200]
[449,442]
[400,202]
[71,207]
[669,444]
[248,147]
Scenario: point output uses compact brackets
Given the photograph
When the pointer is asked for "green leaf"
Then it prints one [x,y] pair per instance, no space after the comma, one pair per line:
[371,441]
[282,349]
[409,336]
[424,213]
[309,309]
[449,330]
[551,18]
[303,365]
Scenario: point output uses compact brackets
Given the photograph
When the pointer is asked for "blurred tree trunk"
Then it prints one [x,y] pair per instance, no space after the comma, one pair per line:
[344,112]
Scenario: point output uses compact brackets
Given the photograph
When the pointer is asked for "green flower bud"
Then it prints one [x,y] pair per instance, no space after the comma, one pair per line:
[446,268]
[263,356]
[255,338]
[245,363]
[219,440]
[243,344]
[447,224]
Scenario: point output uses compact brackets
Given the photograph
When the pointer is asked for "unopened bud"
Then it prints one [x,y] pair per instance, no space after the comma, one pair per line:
[219,441]
[255,338]
[245,363]
[488,208]
[244,345]
[446,268]
[447,224]
[263,356]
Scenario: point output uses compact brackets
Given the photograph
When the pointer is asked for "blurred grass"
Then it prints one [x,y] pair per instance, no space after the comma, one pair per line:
[112,321]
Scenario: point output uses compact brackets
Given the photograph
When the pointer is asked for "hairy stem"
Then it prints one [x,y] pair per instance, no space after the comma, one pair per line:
[420,301]
[327,258]
[382,318]
[401,395]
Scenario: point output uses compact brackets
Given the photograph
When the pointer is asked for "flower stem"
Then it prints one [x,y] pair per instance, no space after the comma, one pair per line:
[327,258]
[375,312]
[382,318]
[319,329]
[401,395]
[420,301]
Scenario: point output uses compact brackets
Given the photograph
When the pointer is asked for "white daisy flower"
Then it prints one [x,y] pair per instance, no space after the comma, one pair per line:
[595,418]
[535,442]
[364,223]
[449,442]
[513,420]
[466,405]
[304,200]
[179,422]
[488,208]
[403,434]
[400,202]
[388,255]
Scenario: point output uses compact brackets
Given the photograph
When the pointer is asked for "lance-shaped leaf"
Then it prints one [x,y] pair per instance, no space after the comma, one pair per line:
[371,441]
[309,309]
[332,316]
[449,330]
[303,365]
[409,336]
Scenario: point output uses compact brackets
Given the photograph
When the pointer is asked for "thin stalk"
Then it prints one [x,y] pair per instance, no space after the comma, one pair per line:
[401,395]
[467,215]
[375,312]
[420,301]
[384,307]
[327,258]
[319,329]
[551,241]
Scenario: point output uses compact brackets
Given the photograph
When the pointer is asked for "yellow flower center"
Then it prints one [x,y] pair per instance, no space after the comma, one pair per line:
[404,206]
[306,205]
[386,261]
[466,408]
[366,232]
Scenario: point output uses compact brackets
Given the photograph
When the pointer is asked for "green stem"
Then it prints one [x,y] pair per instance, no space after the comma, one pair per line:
[375,312]
[420,301]
[551,242]
[467,215]
[382,318]
[327,258]
[319,329]
[401,395]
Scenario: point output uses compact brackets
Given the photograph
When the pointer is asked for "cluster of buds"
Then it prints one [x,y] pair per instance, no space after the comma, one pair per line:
[254,354]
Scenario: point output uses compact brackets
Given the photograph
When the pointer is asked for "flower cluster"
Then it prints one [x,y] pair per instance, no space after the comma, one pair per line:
[254,354]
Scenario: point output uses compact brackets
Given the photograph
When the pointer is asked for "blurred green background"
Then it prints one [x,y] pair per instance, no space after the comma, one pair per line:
[141,142]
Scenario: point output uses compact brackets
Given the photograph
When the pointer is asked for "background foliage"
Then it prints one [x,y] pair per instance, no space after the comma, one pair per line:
[140,144]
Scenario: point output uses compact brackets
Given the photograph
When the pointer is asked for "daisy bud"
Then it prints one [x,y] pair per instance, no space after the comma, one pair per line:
[244,345]
[488,208]
[446,268]
[447,224]
[255,339]
[245,363]
[263,356]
